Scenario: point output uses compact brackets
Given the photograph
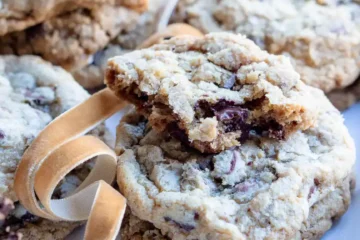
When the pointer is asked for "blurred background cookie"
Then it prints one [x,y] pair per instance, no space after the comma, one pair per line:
[32,93]
[70,38]
[322,38]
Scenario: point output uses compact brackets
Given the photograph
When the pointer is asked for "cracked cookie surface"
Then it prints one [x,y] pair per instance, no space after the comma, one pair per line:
[264,189]
[322,41]
[33,93]
[211,92]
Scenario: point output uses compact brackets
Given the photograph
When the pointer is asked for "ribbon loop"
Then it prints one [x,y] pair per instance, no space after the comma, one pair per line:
[60,148]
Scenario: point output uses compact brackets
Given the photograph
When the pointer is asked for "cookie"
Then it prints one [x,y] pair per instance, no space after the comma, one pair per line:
[322,41]
[92,75]
[211,92]
[33,93]
[264,189]
[321,217]
[18,15]
[133,228]
[344,98]
[71,38]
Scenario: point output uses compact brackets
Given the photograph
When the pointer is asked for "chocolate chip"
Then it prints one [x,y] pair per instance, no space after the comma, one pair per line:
[222,104]
[270,129]
[233,162]
[167,37]
[2,135]
[35,31]
[178,133]
[311,191]
[143,97]
[28,217]
[233,116]
[253,104]
[196,216]
[277,132]
[203,109]
[316,182]
[184,226]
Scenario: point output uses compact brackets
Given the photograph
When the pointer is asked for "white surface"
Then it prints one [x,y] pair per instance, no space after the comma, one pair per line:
[347,227]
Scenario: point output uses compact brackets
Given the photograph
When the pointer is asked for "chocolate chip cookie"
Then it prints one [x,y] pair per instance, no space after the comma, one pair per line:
[133,228]
[322,40]
[69,39]
[33,93]
[92,75]
[264,189]
[20,14]
[211,92]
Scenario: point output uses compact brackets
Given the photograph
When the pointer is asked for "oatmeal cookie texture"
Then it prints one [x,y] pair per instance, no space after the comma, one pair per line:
[92,75]
[71,38]
[322,40]
[133,228]
[211,92]
[34,92]
[20,14]
[264,189]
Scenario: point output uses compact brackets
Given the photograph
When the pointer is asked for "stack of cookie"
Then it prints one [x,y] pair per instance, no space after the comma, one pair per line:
[227,143]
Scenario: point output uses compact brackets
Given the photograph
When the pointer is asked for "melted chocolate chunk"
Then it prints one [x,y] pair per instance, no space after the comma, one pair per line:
[184,226]
[2,135]
[233,162]
[271,129]
[253,104]
[178,133]
[233,116]
[35,31]
[316,182]
[28,217]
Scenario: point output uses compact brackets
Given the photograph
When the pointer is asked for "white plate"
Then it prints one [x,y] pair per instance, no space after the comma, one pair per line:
[347,227]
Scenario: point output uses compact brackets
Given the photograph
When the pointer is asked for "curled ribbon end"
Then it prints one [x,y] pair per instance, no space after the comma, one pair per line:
[52,156]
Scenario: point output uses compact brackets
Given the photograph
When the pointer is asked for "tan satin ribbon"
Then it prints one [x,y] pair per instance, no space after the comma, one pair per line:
[61,147]
[58,149]
[176,29]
